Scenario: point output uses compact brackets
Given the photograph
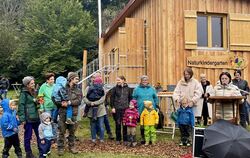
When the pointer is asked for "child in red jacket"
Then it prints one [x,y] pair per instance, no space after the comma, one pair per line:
[130,120]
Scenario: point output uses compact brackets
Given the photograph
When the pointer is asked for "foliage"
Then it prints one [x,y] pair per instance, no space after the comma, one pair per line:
[54,35]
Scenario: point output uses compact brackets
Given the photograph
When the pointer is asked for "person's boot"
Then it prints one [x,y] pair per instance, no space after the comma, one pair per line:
[134,143]
[19,155]
[5,156]
[73,150]
[30,155]
[110,136]
[60,152]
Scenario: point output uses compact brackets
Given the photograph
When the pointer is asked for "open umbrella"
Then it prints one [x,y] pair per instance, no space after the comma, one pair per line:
[226,140]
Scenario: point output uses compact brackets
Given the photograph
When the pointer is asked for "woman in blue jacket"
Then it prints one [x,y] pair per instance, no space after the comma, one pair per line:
[142,93]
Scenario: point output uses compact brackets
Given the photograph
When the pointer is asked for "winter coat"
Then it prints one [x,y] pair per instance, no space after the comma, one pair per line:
[185,116]
[142,93]
[101,111]
[120,97]
[8,120]
[130,117]
[27,108]
[45,129]
[228,90]
[59,92]
[46,91]
[198,109]
[241,84]
[149,118]
[95,92]
[191,90]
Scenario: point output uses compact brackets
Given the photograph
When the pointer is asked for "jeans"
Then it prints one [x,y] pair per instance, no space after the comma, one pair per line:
[118,116]
[97,124]
[69,112]
[28,127]
[45,148]
[54,114]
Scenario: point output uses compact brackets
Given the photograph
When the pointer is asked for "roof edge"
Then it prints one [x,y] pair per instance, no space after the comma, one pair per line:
[120,18]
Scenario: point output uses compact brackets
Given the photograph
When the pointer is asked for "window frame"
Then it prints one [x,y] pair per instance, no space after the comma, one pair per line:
[209,23]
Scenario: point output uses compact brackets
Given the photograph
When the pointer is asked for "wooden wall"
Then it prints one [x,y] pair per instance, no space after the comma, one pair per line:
[165,37]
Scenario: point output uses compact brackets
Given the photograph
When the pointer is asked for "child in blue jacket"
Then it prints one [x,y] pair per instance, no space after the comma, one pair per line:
[185,122]
[9,125]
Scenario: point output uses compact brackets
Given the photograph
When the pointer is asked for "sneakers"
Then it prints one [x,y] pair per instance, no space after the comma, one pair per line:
[134,144]
[69,121]
[147,143]
[188,144]
[181,144]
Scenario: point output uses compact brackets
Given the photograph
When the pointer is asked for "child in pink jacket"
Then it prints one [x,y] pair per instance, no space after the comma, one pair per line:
[130,120]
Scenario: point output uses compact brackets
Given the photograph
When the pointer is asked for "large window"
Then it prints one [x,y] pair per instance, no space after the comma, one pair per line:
[211,31]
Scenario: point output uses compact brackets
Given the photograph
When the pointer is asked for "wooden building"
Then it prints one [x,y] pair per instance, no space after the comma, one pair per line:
[161,37]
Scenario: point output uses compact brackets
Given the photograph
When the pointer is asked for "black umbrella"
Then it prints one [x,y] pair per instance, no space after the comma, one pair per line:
[226,140]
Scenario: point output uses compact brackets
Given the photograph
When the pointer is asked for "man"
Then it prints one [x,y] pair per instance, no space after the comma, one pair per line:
[242,85]
[75,98]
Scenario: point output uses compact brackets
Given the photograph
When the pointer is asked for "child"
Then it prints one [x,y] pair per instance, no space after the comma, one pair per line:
[59,95]
[45,134]
[185,121]
[149,119]
[130,120]
[9,125]
[95,92]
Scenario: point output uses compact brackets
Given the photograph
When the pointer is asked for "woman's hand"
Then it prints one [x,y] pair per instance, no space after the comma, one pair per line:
[64,104]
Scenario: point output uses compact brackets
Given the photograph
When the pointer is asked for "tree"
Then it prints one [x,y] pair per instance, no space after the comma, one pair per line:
[54,35]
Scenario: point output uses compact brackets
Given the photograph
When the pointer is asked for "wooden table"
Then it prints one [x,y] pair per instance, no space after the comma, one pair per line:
[234,100]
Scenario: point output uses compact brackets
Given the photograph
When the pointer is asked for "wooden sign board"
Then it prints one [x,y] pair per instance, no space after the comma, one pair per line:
[214,62]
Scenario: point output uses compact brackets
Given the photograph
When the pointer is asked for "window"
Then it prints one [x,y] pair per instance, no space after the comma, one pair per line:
[211,31]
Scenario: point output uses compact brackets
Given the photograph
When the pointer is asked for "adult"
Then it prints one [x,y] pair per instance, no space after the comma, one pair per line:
[96,125]
[46,92]
[121,95]
[106,118]
[158,87]
[144,92]
[203,108]
[75,99]
[242,85]
[4,86]
[188,87]
[225,88]
[28,113]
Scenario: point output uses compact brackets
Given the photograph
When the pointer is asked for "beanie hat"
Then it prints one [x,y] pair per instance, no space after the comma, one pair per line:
[72,75]
[134,102]
[27,79]
[98,80]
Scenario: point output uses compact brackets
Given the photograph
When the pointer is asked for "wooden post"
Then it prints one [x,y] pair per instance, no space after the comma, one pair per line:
[84,70]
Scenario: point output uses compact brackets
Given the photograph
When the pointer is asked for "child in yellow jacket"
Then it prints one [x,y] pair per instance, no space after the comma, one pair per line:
[149,119]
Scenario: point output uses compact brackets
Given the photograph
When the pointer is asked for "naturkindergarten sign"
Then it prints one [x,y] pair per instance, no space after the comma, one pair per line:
[224,61]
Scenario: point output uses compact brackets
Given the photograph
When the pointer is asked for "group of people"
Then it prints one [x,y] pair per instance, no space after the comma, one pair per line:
[191,96]
[54,109]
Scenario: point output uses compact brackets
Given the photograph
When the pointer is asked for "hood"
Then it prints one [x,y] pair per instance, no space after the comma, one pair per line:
[5,105]
[44,115]
[61,81]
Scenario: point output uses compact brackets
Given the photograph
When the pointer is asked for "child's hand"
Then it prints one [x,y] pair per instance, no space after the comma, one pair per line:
[92,104]
[113,110]
[15,129]
[42,142]
[64,104]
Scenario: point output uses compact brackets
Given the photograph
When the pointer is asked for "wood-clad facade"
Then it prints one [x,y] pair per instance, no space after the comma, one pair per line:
[155,37]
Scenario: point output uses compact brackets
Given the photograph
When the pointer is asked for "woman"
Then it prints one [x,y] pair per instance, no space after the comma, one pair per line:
[28,113]
[225,88]
[46,91]
[119,101]
[96,125]
[74,94]
[204,109]
[144,92]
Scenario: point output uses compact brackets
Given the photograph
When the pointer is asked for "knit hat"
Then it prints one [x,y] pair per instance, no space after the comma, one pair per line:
[134,102]
[98,80]
[72,75]
[27,79]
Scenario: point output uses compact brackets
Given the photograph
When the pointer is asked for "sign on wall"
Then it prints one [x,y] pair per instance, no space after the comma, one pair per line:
[213,62]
